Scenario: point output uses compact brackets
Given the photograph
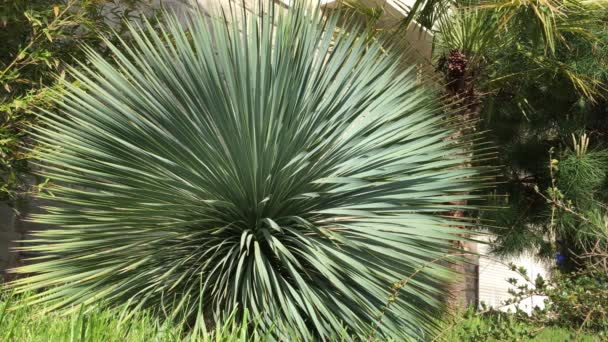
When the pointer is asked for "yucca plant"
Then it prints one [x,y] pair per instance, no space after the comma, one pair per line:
[264,162]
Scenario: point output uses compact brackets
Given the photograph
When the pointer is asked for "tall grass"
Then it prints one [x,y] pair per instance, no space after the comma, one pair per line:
[32,323]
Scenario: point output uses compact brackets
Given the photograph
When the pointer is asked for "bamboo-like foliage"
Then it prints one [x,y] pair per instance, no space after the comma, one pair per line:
[265,163]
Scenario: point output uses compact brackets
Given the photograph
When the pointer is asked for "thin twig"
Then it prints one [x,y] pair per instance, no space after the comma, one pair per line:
[400,284]
[578,331]
[35,38]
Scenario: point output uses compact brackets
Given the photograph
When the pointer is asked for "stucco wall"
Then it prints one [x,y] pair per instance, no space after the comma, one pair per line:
[494,272]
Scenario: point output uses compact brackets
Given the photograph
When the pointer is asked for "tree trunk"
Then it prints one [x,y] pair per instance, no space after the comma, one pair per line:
[460,87]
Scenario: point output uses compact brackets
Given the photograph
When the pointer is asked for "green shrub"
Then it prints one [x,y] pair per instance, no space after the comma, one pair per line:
[553,334]
[40,39]
[489,326]
[500,326]
[576,307]
[579,300]
[574,300]
[270,165]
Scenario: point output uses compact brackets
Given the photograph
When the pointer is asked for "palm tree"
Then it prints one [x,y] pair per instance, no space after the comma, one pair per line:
[475,39]
[471,32]
[267,163]
[485,46]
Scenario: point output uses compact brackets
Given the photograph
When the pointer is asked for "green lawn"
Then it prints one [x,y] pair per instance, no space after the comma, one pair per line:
[31,324]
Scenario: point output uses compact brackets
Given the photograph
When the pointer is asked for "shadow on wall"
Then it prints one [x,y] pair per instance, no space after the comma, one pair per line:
[10,231]
[14,229]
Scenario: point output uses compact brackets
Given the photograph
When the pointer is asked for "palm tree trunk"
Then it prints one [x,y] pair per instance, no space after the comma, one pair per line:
[460,86]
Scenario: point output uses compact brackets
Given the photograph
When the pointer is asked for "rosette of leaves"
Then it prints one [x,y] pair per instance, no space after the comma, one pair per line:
[268,163]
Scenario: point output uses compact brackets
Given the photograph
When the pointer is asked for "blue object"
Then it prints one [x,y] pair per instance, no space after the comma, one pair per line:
[559,259]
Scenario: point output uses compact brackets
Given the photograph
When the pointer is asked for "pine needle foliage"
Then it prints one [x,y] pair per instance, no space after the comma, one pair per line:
[582,181]
[265,163]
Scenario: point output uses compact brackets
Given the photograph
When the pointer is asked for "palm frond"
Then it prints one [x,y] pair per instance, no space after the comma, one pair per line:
[472,30]
[547,21]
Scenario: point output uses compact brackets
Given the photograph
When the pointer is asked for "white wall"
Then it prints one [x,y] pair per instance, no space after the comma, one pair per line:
[493,275]
[419,39]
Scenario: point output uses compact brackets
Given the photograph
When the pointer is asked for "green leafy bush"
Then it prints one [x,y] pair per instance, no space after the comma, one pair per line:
[40,39]
[575,301]
[576,308]
[489,326]
[268,164]
[501,326]
[579,300]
